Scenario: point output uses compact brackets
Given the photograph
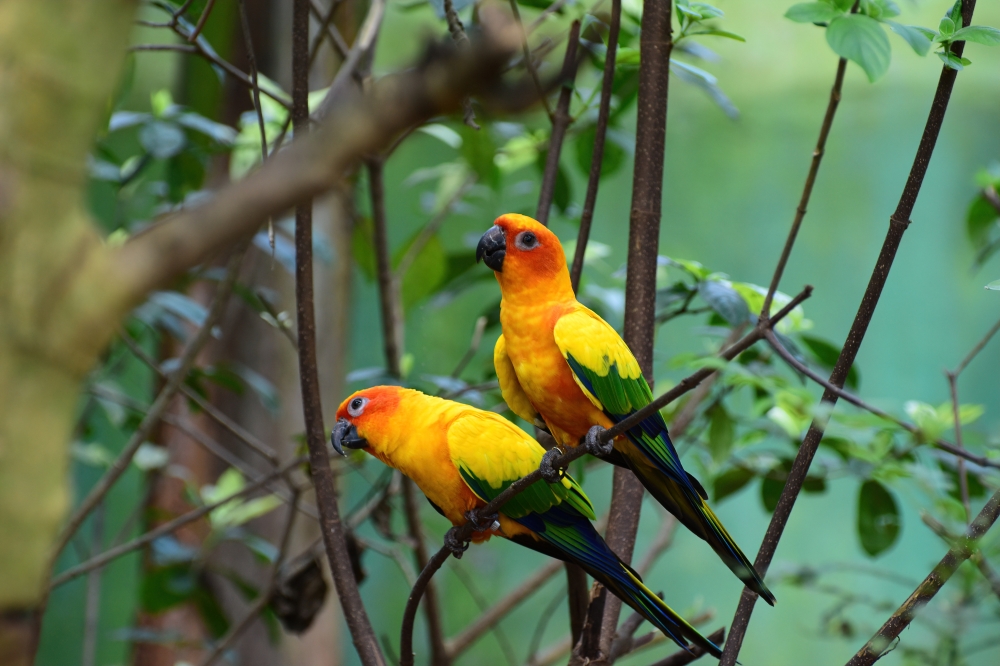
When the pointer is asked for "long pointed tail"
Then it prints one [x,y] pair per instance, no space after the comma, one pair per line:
[687,502]
[570,536]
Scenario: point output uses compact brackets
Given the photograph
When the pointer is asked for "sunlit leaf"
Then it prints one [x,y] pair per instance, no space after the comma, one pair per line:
[860,39]
[979,34]
[812,12]
[918,38]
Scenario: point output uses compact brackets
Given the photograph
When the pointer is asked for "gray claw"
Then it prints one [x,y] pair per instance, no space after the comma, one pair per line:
[488,522]
[594,444]
[456,545]
[551,473]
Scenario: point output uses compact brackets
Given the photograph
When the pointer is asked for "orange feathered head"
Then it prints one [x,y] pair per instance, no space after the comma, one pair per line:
[524,253]
[363,415]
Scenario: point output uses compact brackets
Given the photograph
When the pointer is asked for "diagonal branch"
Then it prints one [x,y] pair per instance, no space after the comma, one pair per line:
[930,586]
[898,222]
[358,126]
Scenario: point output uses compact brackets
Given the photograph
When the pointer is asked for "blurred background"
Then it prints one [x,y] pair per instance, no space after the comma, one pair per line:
[734,172]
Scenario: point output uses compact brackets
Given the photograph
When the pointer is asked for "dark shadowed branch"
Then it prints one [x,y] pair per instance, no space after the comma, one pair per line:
[682,657]
[898,222]
[560,123]
[935,580]
[365,641]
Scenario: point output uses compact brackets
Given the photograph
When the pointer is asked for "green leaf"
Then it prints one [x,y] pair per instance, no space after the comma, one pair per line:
[770,491]
[812,12]
[720,433]
[979,34]
[917,37]
[946,27]
[953,61]
[860,39]
[827,354]
[363,247]
[980,220]
[614,155]
[994,286]
[724,300]
[162,139]
[956,12]
[713,32]
[878,518]
[731,481]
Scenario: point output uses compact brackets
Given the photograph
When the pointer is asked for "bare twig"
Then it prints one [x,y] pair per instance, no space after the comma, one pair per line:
[327,30]
[432,609]
[682,657]
[363,43]
[935,580]
[978,348]
[365,641]
[960,452]
[898,222]
[560,123]
[477,339]
[429,229]
[202,20]
[388,285]
[468,636]
[963,473]
[457,31]
[168,527]
[988,572]
[817,157]
[92,610]
[529,63]
[600,134]
[233,427]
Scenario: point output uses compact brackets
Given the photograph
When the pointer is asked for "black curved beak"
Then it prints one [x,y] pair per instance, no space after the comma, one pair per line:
[492,248]
[346,434]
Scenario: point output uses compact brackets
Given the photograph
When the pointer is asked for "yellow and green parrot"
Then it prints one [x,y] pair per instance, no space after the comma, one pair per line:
[564,368]
[462,457]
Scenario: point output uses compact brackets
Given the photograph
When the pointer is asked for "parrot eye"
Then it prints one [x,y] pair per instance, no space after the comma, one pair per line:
[527,241]
[357,406]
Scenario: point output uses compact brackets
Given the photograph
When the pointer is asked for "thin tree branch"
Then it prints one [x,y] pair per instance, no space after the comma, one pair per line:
[168,527]
[388,289]
[470,353]
[202,20]
[468,636]
[432,608]
[264,598]
[560,123]
[365,641]
[978,348]
[158,407]
[218,416]
[817,157]
[457,31]
[429,229]
[363,43]
[898,223]
[960,452]
[464,532]
[963,473]
[92,609]
[655,46]
[988,572]
[935,580]
[359,126]
[600,134]
[682,657]
[327,30]
[529,64]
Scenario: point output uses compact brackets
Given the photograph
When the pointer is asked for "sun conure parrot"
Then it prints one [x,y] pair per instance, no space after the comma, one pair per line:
[562,367]
[462,457]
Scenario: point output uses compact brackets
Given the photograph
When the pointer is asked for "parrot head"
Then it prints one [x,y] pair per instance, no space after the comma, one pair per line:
[524,253]
[363,416]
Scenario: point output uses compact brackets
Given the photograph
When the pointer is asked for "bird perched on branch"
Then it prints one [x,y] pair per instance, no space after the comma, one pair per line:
[565,369]
[462,457]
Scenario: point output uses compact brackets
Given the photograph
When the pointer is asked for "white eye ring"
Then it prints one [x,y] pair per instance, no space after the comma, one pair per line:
[527,241]
[356,406]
